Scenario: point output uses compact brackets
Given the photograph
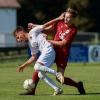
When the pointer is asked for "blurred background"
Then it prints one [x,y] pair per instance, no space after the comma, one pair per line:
[15,13]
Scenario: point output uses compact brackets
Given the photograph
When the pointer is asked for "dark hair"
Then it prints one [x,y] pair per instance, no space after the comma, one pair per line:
[18,29]
[72,11]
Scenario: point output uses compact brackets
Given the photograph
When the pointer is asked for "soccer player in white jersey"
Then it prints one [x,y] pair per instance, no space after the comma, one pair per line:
[38,43]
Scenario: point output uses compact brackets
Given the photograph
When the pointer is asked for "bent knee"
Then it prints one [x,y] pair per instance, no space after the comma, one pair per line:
[41,75]
[37,66]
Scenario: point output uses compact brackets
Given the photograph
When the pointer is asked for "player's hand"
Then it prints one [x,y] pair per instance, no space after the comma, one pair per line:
[30,26]
[20,68]
[61,17]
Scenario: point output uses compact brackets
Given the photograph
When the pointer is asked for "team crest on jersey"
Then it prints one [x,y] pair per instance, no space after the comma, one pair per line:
[63,34]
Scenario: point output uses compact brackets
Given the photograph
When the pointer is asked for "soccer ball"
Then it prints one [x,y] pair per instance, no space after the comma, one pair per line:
[28,84]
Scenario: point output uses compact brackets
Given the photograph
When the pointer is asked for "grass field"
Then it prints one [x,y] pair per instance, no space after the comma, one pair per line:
[11,82]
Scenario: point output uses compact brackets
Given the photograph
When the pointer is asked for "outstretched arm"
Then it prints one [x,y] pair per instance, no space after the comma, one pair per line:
[49,24]
[48,27]
[67,40]
[61,17]
[28,62]
[58,43]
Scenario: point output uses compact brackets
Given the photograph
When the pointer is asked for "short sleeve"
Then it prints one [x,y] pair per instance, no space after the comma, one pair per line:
[36,30]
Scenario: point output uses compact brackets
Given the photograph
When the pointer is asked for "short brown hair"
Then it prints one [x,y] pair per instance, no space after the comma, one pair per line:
[18,29]
[73,11]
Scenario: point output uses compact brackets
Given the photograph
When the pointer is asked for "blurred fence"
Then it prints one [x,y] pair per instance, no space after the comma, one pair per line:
[85,48]
[8,40]
[87,38]
[9,46]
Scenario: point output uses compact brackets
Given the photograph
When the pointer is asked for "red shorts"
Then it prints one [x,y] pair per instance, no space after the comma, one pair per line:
[61,61]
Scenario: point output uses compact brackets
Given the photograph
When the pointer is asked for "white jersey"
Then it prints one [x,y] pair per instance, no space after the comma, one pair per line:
[37,41]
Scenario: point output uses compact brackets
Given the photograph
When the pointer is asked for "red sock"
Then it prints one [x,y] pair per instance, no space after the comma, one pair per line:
[70,82]
[35,78]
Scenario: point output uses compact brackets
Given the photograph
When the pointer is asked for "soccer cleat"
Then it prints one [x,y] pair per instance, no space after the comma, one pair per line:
[60,77]
[81,88]
[58,92]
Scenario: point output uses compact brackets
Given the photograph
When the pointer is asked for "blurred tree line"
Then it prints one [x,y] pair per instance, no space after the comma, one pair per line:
[41,11]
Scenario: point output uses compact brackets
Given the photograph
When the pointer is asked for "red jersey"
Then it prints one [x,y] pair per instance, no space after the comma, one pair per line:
[64,32]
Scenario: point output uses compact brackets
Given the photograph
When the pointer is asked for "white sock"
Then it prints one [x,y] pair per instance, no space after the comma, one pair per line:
[49,81]
[44,68]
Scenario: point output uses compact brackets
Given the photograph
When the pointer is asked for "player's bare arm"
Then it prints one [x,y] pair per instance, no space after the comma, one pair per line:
[59,43]
[49,24]
[61,17]
[28,62]
[66,41]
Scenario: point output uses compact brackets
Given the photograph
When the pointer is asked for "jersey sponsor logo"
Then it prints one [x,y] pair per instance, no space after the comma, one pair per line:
[63,34]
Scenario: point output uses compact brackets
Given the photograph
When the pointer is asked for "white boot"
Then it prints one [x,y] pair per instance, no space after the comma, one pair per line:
[60,77]
[58,92]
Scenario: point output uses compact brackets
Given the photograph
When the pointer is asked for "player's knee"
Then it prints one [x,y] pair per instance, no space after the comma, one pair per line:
[41,75]
[37,66]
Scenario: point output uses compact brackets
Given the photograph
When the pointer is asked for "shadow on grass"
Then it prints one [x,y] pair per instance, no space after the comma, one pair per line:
[98,93]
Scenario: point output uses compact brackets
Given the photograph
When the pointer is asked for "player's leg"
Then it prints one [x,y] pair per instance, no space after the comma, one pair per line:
[40,67]
[68,81]
[35,79]
[45,61]
[42,75]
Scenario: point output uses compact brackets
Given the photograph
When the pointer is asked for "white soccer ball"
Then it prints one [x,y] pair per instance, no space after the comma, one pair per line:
[28,84]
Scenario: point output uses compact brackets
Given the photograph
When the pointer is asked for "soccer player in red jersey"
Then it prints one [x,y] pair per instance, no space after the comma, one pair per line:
[65,33]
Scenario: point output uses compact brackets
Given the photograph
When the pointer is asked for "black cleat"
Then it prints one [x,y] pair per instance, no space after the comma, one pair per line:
[81,88]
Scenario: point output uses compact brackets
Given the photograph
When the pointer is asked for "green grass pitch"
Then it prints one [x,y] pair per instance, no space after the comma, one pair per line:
[11,82]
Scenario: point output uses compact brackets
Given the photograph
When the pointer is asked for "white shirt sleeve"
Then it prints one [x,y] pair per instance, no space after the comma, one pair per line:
[33,38]
[36,30]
